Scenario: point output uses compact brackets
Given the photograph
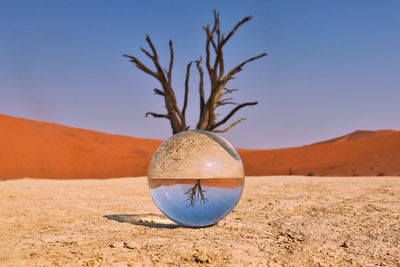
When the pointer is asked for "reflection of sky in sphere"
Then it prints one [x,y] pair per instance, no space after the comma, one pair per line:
[174,203]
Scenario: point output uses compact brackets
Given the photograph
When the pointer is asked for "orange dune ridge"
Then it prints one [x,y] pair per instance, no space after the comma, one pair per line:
[361,153]
[46,150]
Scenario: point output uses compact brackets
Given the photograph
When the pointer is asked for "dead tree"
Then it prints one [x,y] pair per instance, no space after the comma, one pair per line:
[196,194]
[219,78]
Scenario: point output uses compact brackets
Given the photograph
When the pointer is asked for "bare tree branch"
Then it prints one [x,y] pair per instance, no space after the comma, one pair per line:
[158,92]
[221,64]
[157,115]
[228,91]
[208,56]
[216,72]
[226,102]
[229,127]
[155,59]
[233,111]
[232,32]
[141,66]
[216,21]
[201,86]
[175,116]
[147,53]
[153,49]
[226,99]
[238,68]
[171,62]
[186,89]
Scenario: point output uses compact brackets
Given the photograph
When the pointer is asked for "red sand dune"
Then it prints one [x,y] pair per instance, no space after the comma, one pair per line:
[361,153]
[46,150]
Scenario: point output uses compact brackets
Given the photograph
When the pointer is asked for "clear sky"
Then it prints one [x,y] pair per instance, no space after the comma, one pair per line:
[333,66]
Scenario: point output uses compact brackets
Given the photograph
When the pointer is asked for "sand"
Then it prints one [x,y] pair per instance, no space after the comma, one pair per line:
[47,150]
[361,153]
[290,221]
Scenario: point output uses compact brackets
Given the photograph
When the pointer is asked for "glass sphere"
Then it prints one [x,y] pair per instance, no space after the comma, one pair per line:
[196,178]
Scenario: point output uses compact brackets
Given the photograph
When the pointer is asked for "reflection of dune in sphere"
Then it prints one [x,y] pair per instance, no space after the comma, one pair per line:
[196,202]
[229,183]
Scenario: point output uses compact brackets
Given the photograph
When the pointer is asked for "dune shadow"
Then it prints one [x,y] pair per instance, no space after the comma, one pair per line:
[149,220]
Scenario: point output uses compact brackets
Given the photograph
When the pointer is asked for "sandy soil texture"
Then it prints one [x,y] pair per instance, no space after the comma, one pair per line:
[290,221]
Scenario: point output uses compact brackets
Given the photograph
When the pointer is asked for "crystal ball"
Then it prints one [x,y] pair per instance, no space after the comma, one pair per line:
[196,178]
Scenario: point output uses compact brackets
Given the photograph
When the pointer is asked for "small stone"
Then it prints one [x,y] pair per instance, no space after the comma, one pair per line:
[118,244]
[131,245]
[345,244]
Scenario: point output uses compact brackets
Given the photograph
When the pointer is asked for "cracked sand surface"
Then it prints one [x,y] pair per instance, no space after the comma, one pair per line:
[289,221]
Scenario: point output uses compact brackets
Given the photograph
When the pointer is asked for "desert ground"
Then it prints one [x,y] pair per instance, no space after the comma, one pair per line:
[280,221]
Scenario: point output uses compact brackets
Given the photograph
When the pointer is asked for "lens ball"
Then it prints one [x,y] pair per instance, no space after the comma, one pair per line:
[196,178]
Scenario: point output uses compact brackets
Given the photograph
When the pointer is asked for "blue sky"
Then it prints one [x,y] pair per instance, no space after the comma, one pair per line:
[332,66]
